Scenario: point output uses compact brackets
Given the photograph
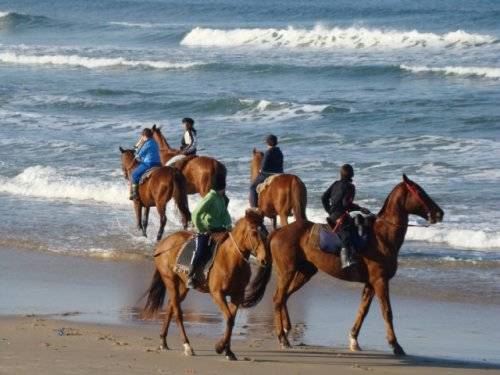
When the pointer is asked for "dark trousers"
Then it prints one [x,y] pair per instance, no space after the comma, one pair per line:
[254,197]
[201,254]
[346,231]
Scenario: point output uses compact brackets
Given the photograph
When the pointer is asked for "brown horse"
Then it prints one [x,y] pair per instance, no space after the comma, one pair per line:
[284,195]
[228,277]
[199,171]
[163,184]
[297,258]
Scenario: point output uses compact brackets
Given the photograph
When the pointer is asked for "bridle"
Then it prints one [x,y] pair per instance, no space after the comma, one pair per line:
[238,250]
[415,193]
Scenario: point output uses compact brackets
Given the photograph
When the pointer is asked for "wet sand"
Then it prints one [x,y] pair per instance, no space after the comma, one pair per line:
[101,297]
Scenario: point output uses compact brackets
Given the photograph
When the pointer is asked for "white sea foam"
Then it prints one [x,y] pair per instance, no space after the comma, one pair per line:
[474,71]
[332,38]
[261,109]
[140,25]
[4,14]
[90,62]
[456,237]
[47,182]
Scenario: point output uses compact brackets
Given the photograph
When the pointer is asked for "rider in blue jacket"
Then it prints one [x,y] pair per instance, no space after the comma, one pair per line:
[148,155]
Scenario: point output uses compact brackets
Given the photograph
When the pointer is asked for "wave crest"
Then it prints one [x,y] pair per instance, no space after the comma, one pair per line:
[90,62]
[332,38]
[476,71]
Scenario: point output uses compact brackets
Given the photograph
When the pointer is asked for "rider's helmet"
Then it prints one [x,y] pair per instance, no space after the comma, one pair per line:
[347,172]
[272,140]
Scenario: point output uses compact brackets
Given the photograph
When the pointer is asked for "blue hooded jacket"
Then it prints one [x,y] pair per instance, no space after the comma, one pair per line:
[149,153]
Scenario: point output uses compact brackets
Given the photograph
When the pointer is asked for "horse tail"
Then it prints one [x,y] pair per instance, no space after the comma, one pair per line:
[257,288]
[156,295]
[299,199]
[180,196]
[220,171]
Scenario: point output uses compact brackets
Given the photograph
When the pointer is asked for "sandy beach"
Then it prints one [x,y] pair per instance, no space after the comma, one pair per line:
[66,314]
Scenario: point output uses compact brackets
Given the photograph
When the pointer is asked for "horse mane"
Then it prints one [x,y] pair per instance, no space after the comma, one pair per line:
[157,130]
[386,202]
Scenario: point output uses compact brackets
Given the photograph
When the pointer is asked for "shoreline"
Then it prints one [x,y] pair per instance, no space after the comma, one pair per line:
[82,290]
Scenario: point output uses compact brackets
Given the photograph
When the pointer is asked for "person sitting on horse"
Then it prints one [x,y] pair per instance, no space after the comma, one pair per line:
[338,201]
[148,156]
[209,216]
[272,163]
[189,141]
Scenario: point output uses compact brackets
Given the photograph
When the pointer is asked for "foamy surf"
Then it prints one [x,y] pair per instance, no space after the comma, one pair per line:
[90,62]
[471,71]
[332,38]
[46,182]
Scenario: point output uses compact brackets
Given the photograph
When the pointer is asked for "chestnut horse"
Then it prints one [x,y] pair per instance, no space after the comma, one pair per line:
[284,195]
[297,258]
[228,277]
[163,184]
[199,171]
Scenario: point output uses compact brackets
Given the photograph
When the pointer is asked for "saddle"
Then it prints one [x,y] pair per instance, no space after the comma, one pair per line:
[181,163]
[147,174]
[183,261]
[262,186]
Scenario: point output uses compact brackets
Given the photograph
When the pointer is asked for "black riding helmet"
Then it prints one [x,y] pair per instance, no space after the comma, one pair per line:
[347,171]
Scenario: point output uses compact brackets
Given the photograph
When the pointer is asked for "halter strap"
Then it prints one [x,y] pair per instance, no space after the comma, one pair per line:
[238,250]
[417,195]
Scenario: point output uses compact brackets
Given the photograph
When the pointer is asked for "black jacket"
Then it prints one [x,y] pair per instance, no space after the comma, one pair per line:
[272,162]
[338,198]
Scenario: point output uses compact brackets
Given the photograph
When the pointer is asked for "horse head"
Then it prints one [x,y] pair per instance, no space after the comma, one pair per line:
[418,202]
[254,235]
[256,163]
[128,162]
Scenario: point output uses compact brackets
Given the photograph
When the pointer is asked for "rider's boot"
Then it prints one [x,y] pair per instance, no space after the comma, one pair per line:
[134,192]
[348,257]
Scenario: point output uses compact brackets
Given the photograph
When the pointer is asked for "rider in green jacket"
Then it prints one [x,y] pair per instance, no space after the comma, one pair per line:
[209,216]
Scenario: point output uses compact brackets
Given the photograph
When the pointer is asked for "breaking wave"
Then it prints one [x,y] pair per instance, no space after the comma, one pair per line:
[10,20]
[332,38]
[475,71]
[45,182]
[90,62]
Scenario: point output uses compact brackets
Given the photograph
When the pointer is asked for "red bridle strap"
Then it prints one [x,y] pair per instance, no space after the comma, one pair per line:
[417,195]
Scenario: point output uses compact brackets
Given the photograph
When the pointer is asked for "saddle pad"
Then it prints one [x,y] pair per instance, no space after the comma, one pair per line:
[322,237]
[183,261]
[174,160]
[147,174]
[261,187]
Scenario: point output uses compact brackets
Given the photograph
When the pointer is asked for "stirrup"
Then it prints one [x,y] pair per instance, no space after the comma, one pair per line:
[346,258]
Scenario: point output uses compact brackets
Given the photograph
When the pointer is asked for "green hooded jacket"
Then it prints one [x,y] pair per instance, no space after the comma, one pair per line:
[211,213]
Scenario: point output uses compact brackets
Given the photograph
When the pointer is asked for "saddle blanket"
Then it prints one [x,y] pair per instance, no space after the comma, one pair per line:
[322,236]
[185,256]
[174,160]
[261,187]
[147,174]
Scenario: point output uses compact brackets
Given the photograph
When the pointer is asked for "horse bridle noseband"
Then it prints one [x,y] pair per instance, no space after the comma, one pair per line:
[253,250]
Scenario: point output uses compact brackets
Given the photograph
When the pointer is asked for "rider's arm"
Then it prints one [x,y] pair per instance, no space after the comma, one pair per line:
[202,208]
[325,199]
[143,151]
[349,202]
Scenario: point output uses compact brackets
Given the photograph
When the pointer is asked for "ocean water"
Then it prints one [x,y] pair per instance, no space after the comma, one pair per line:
[390,86]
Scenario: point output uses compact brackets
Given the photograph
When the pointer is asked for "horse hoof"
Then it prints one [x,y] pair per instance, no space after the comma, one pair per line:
[231,357]
[398,350]
[354,346]
[219,348]
[163,347]
[286,345]
[188,350]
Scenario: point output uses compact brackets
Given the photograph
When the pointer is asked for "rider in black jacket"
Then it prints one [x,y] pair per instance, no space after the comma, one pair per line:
[338,201]
[272,163]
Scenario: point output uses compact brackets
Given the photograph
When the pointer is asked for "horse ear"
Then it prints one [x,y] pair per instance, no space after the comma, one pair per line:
[154,127]
[254,216]
[405,178]
[121,150]
[254,150]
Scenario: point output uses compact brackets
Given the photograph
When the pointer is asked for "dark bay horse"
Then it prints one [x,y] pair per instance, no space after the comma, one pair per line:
[164,184]
[296,259]
[228,277]
[199,171]
[284,195]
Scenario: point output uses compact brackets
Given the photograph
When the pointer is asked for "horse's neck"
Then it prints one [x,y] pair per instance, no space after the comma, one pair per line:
[162,141]
[231,253]
[256,162]
[391,227]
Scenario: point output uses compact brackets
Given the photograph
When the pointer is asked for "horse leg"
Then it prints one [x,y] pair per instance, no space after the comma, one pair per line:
[177,291]
[164,329]
[283,219]
[224,343]
[302,276]
[364,306]
[279,299]
[138,214]
[382,292]
[163,220]
[145,221]
[275,222]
